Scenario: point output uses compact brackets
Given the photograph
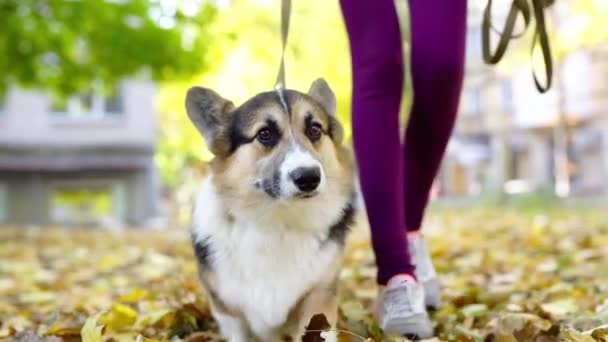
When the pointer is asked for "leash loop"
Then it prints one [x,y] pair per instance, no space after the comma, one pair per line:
[540,35]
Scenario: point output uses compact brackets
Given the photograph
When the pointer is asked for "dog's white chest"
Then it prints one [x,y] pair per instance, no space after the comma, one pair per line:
[266,273]
[263,269]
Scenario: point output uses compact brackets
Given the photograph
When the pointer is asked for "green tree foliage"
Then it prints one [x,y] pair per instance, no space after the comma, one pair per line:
[66,46]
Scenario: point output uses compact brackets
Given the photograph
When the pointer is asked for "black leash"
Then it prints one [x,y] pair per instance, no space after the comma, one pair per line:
[540,35]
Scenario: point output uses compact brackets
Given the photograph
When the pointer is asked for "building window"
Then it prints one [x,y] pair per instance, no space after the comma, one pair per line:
[3,203]
[88,201]
[473,102]
[519,158]
[2,103]
[507,95]
[474,43]
[89,105]
[81,204]
[113,104]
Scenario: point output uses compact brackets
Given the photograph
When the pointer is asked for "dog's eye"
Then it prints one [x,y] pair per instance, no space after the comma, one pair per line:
[265,136]
[314,132]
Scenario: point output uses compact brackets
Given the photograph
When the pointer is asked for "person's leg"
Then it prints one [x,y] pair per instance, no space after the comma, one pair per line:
[438,33]
[377,67]
[376,50]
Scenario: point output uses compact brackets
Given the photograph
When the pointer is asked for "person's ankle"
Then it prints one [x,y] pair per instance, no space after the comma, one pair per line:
[412,234]
[397,278]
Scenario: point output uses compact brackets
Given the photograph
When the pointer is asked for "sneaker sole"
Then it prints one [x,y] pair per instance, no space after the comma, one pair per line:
[414,327]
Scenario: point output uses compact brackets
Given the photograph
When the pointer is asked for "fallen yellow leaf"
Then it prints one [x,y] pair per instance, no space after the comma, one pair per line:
[134,296]
[90,332]
[120,317]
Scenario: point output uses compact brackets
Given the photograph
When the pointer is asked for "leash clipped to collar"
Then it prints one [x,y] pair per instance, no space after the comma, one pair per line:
[285,16]
[540,35]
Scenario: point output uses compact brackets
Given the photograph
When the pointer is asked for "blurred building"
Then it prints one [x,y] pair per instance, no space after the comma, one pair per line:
[507,134]
[88,159]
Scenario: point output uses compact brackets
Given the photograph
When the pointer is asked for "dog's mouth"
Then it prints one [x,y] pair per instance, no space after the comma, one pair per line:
[305,195]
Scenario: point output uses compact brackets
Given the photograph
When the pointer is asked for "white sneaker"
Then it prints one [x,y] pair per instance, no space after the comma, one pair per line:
[425,272]
[401,309]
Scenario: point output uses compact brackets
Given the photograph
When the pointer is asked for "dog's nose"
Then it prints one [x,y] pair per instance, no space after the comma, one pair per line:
[307,179]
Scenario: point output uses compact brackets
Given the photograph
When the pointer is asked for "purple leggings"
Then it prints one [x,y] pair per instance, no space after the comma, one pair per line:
[396,178]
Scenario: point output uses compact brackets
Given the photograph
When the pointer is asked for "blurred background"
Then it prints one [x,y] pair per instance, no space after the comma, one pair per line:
[93,129]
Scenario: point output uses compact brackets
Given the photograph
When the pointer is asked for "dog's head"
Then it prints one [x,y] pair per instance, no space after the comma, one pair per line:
[277,146]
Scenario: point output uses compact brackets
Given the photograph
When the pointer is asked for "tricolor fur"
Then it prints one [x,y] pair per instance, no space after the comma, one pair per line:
[270,220]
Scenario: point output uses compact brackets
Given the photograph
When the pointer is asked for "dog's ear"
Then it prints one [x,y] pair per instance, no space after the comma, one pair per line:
[211,115]
[320,92]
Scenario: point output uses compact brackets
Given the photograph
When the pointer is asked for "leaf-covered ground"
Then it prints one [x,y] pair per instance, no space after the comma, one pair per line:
[506,277]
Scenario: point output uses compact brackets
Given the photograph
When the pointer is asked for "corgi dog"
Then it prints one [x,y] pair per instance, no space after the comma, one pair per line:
[271,218]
